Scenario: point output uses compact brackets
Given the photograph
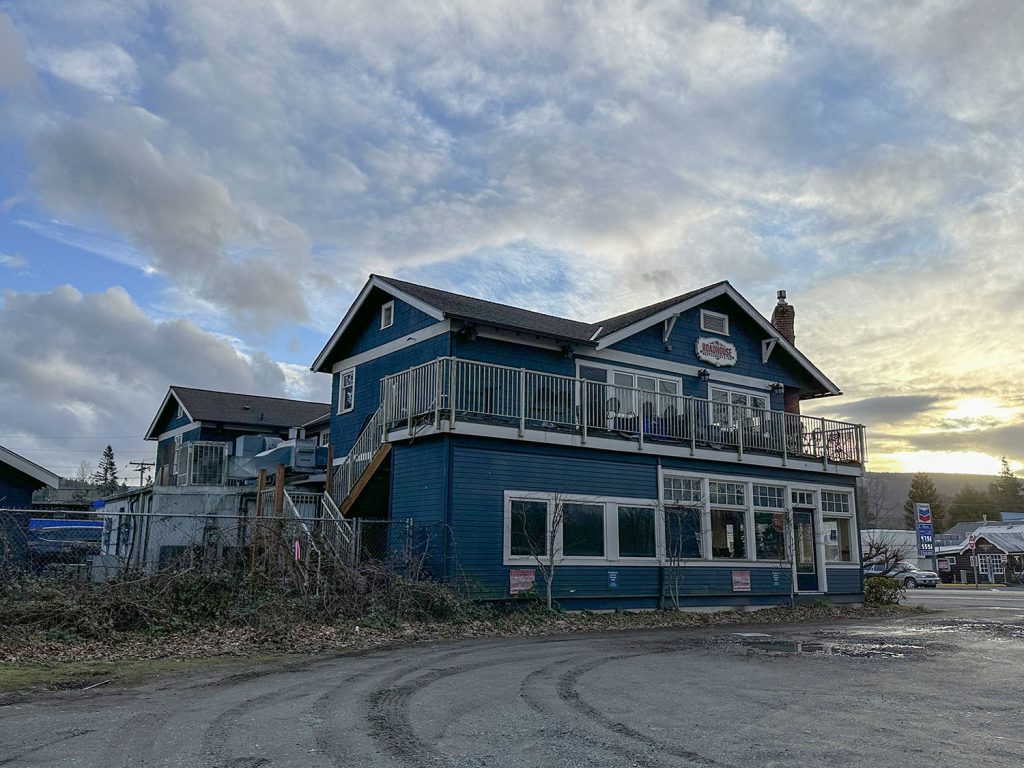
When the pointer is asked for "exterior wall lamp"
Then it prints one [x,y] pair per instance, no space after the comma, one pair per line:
[778,386]
[703,374]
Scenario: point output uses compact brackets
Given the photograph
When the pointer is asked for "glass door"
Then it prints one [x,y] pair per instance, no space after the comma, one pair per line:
[806,559]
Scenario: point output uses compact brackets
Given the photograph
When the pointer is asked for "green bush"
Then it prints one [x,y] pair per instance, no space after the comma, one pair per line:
[881,590]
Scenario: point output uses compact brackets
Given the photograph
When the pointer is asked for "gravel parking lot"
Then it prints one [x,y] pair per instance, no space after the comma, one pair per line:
[852,694]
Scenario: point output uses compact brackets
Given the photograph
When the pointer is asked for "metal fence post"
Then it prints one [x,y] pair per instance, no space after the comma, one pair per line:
[522,401]
[437,395]
[739,431]
[584,410]
[451,392]
[408,402]
[693,425]
[824,445]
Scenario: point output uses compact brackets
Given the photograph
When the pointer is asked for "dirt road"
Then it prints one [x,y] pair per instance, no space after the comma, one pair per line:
[864,694]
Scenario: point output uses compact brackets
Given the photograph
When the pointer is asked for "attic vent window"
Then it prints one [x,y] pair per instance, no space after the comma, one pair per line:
[713,322]
[387,315]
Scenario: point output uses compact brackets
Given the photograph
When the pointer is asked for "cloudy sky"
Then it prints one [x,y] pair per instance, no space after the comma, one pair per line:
[192,192]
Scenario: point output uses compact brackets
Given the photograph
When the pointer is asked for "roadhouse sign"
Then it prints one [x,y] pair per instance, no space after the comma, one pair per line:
[716,351]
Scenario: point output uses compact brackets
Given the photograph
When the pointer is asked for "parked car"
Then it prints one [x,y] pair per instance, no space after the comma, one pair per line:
[64,544]
[905,572]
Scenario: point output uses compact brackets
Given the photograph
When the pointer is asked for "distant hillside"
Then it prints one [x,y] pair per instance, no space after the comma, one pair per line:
[893,488]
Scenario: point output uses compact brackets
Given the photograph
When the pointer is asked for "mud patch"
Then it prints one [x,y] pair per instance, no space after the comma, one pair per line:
[861,650]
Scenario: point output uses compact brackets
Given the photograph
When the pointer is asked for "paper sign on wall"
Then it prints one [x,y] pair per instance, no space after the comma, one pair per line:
[741,581]
[521,580]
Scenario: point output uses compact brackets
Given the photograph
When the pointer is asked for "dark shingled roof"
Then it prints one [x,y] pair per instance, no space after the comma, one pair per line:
[468,308]
[617,323]
[256,410]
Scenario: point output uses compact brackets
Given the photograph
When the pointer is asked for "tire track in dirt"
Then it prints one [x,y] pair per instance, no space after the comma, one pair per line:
[388,710]
[217,732]
[325,740]
[540,704]
[66,736]
[568,693]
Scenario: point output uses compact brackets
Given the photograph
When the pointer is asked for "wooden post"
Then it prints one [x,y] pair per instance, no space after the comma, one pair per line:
[279,491]
[261,486]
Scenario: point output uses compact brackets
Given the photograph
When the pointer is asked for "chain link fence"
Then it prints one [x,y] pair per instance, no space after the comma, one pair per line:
[298,548]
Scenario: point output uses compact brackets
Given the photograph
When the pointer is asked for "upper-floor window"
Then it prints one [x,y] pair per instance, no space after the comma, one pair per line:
[387,315]
[347,391]
[179,412]
[714,322]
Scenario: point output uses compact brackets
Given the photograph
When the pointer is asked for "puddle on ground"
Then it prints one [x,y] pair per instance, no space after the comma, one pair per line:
[849,649]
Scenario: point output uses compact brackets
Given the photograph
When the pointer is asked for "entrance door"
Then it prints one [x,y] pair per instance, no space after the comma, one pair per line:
[595,388]
[806,560]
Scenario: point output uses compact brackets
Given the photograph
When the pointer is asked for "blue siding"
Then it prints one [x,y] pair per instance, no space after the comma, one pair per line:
[419,491]
[743,332]
[844,581]
[16,487]
[345,427]
[364,332]
[482,470]
[513,355]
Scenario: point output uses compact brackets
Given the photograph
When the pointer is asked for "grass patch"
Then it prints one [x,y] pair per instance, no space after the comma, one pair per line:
[75,675]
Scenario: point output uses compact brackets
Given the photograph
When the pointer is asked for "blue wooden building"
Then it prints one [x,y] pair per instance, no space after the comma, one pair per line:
[209,422]
[20,478]
[657,456]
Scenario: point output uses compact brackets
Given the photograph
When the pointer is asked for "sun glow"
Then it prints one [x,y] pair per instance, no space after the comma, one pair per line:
[976,408]
[956,462]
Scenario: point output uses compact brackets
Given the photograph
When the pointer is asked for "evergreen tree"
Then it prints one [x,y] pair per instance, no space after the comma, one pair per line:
[923,491]
[970,504]
[105,476]
[1007,492]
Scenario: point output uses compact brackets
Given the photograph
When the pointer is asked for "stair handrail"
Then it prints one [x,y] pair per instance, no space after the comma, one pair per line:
[363,450]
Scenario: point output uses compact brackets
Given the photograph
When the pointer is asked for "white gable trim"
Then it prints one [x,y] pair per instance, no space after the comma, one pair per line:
[170,393]
[33,470]
[393,346]
[373,282]
[732,293]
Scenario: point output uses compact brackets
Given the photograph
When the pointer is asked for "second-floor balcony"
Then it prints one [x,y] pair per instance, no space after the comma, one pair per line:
[448,391]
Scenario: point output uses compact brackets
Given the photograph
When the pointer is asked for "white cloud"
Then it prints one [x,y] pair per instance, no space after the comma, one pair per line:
[105,68]
[12,261]
[76,365]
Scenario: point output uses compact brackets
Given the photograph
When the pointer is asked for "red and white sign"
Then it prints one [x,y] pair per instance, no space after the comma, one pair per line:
[741,581]
[972,541]
[521,580]
[924,513]
[718,352]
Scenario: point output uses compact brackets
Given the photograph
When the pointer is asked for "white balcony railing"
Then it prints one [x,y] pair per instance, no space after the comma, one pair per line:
[450,390]
[198,463]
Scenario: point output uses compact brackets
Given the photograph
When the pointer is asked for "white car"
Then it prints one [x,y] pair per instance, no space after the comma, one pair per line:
[906,573]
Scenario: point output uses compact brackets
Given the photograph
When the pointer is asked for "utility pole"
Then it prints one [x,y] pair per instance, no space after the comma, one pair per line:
[143,466]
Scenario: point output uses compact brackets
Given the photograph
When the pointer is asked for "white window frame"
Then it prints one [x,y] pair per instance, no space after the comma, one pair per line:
[341,391]
[611,530]
[387,310]
[713,386]
[630,408]
[813,490]
[708,313]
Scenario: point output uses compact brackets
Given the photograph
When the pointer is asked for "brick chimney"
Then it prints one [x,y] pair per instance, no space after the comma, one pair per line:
[782,318]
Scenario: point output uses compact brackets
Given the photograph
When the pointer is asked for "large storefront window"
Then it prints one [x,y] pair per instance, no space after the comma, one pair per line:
[583,530]
[770,530]
[682,532]
[728,534]
[837,540]
[529,528]
[636,532]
